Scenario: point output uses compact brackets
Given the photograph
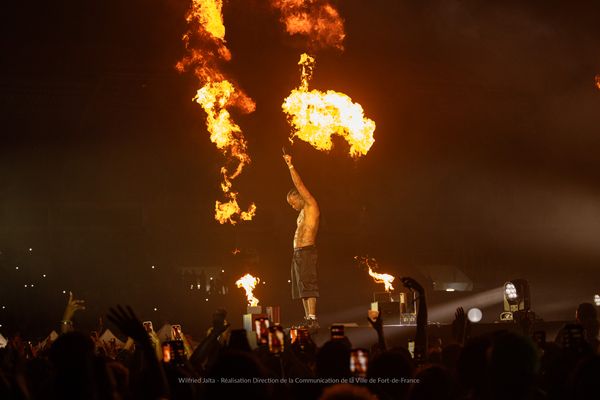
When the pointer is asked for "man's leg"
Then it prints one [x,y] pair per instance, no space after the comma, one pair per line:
[308,286]
[311,314]
[311,307]
[306,307]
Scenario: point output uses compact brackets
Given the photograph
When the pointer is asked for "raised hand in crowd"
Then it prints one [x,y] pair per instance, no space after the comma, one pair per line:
[73,305]
[207,349]
[376,321]
[219,324]
[412,284]
[421,334]
[152,382]
[129,324]
[460,326]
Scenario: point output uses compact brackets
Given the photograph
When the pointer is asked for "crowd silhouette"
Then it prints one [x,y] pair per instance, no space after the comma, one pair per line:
[226,365]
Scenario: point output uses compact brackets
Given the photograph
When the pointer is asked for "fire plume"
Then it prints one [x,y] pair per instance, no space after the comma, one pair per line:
[249,282]
[216,96]
[316,116]
[386,279]
[317,20]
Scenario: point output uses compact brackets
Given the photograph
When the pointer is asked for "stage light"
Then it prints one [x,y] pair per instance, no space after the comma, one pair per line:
[155,308]
[64,292]
[4,307]
[597,300]
[510,291]
[474,315]
[450,290]
[289,281]
[264,283]
[32,285]
[43,275]
[25,285]
[16,267]
[205,299]
[30,249]
[517,303]
[222,270]
[152,267]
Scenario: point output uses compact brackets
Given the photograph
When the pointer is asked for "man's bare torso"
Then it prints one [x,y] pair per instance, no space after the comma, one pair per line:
[307,226]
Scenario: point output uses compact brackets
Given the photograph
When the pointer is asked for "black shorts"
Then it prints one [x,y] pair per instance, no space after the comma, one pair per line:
[304,273]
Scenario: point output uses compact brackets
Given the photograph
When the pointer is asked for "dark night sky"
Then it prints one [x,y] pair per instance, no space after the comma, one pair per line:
[486,152]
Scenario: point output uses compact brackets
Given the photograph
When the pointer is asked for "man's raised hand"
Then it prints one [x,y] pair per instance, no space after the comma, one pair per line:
[410,283]
[219,323]
[128,323]
[288,160]
[72,305]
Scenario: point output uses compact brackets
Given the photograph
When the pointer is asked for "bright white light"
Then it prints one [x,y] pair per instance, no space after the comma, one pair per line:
[264,283]
[155,308]
[152,267]
[597,300]
[289,281]
[30,249]
[64,292]
[511,291]
[450,290]
[206,299]
[44,275]
[474,315]
[16,267]
[32,285]
[25,285]
[3,307]
[222,270]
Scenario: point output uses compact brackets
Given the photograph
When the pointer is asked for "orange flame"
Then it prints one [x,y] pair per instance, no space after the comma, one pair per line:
[315,116]
[209,14]
[598,81]
[386,279]
[248,282]
[215,97]
[318,20]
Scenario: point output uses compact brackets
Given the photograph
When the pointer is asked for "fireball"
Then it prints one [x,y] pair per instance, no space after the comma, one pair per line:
[316,116]
[249,282]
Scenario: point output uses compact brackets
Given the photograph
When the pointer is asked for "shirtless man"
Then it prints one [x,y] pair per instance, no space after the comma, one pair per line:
[304,261]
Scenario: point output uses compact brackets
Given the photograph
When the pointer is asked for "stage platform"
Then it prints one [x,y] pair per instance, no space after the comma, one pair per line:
[364,336]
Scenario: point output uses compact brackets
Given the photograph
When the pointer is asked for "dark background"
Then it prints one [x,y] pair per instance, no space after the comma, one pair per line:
[486,155]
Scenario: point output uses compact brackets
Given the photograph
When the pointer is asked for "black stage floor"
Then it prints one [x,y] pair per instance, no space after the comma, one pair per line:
[397,335]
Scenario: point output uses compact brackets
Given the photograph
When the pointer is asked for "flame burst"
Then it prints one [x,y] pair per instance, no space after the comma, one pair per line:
[317,20]
[248,282]
[316,116]
[386,279]
[217,94]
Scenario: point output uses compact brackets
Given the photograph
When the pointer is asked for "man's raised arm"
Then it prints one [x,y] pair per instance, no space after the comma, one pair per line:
[308,198]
